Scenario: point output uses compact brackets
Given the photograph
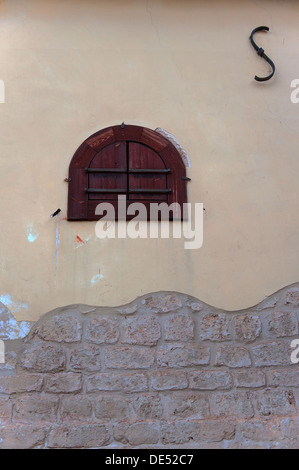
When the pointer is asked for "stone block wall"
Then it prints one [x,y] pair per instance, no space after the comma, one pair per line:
[165,371]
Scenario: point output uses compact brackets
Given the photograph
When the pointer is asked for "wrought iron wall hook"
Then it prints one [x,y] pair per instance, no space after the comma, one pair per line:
[262,54]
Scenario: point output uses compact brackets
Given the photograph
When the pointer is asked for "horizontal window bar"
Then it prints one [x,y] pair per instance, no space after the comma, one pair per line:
[106,170]
[104,191]
[156,191]
[123,170]
[131,191]
[147,170]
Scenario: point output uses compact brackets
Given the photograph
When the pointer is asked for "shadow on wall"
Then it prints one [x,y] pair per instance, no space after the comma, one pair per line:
[163,371]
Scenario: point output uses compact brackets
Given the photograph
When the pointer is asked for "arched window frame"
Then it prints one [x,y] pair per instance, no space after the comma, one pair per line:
[80,207]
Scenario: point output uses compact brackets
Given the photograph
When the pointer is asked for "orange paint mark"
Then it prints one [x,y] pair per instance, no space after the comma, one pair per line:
[79,239]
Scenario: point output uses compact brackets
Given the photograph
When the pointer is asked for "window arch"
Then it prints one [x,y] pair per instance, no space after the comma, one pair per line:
[125,160]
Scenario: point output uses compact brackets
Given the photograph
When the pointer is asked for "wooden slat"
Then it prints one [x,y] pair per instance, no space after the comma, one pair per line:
[113,157]
[77,198]
[142,160]
[127,133]
[153,139]
[101,138]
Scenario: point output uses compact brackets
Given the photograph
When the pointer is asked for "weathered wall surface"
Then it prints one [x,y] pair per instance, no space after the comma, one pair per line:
[73,68]
[164,371]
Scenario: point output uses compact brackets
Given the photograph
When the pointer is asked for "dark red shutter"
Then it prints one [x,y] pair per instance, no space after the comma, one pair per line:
[107,172]
[142,160]
[124,160]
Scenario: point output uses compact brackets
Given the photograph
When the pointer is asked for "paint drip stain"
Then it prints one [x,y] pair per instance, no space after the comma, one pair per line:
[96,278]
[57,245]
[32,234]
[80,241]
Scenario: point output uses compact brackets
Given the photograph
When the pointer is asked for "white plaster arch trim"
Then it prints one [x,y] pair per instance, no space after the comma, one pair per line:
[184,156]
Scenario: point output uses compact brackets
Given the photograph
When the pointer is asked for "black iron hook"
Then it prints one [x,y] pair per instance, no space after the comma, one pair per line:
[262,54]
[55,213]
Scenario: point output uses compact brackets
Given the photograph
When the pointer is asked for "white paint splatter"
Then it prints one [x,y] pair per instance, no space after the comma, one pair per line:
[57,245]
[6,300]
[10,328]
[24,328]
[175,142]
[81,242]
[14,329]
[32,234]
[12,304]
[96,278]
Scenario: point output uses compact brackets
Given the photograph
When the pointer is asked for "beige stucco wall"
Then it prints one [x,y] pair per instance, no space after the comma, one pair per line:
[72,68]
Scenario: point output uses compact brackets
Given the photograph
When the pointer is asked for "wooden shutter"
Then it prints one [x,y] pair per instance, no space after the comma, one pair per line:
[124,160]
[147,171]
[107,173]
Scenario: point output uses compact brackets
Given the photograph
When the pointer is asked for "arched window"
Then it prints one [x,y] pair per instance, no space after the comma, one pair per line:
[125,160]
